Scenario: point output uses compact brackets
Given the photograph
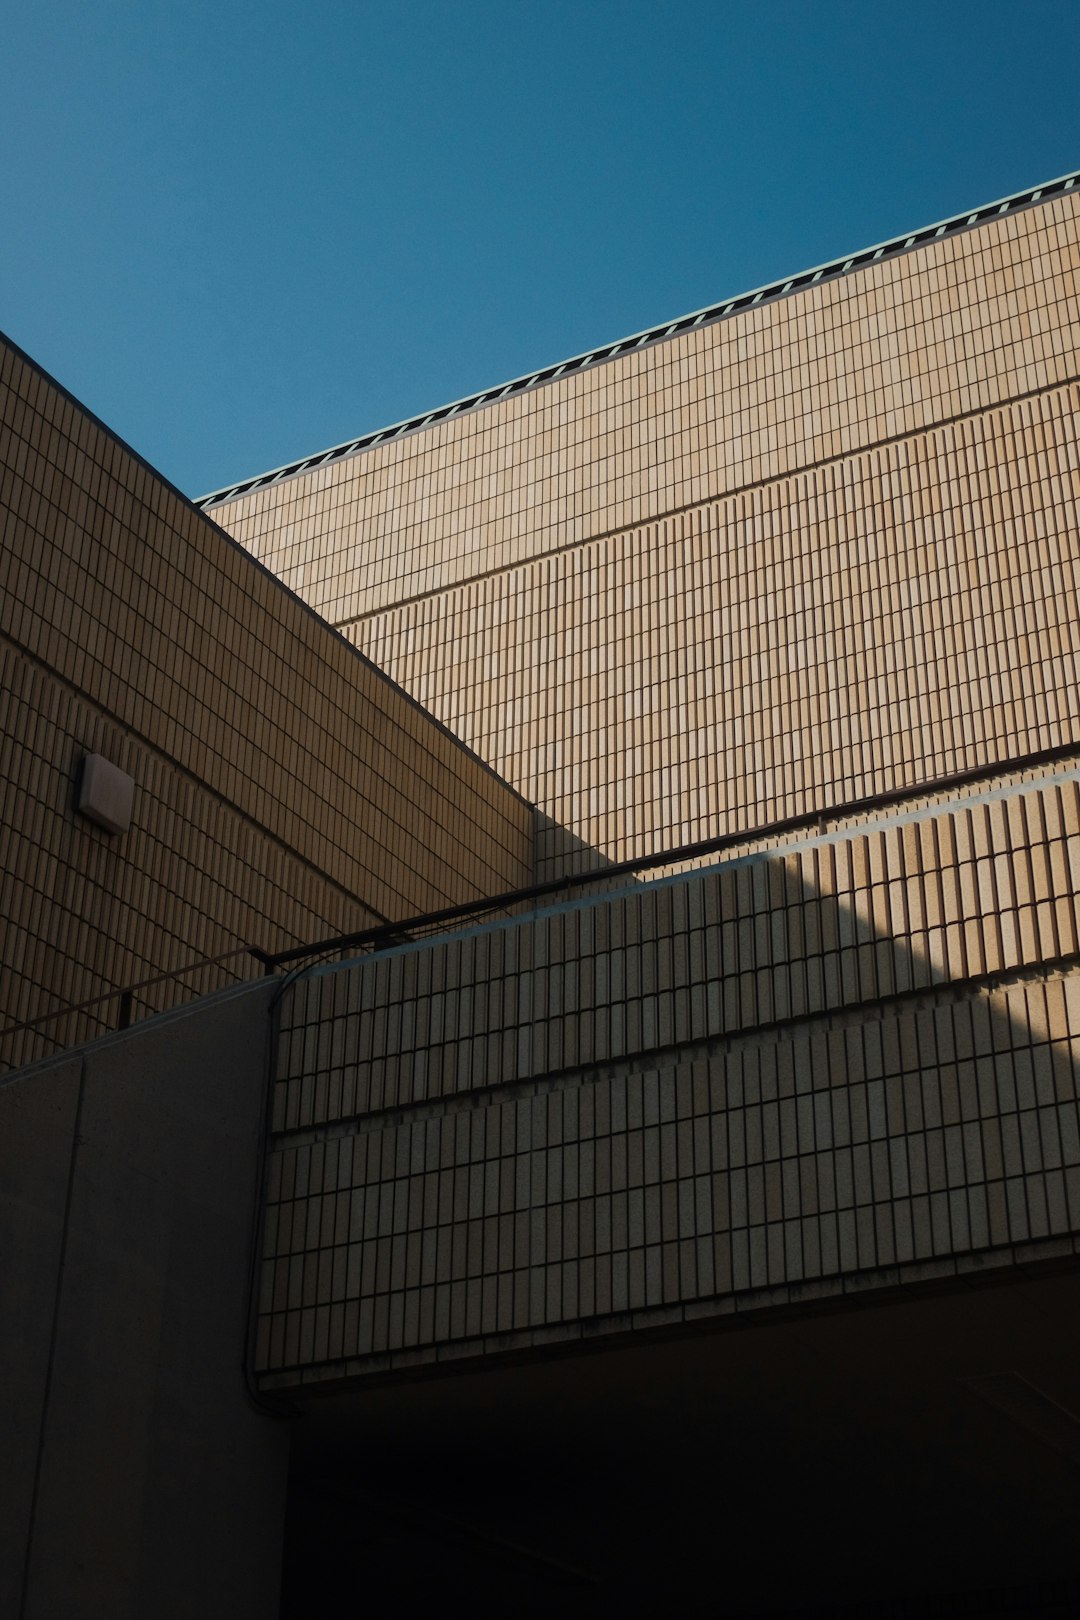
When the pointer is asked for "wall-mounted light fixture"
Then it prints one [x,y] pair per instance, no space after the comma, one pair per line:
[105,794]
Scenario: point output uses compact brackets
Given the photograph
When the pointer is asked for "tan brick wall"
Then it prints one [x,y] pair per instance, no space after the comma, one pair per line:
[789,1071]
[888,351]
[901,615]
[284,788]
[815,551]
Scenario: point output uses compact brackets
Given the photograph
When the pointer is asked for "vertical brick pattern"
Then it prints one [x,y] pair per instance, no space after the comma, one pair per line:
[793,1069]
[967,322]
[825,549]
[898,616]
[192,883]
[285,789]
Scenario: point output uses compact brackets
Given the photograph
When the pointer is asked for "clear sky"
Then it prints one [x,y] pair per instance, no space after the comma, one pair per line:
[243,232]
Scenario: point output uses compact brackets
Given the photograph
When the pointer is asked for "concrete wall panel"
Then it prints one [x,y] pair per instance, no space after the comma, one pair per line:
[38,1116]
[160,1485]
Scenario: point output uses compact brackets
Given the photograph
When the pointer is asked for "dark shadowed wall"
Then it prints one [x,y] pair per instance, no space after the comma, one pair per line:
[140,1479]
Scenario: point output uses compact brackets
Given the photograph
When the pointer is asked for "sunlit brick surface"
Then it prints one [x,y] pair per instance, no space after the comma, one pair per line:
[821,549]
[813,1068]
[890,350]
[893,617]
[284,789]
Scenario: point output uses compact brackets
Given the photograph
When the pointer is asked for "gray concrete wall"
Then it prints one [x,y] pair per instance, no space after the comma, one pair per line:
[140,1479]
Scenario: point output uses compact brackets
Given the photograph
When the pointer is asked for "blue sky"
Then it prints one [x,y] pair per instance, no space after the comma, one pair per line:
[243,232]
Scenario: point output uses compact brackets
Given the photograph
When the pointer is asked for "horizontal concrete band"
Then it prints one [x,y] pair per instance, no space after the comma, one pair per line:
[738,1309]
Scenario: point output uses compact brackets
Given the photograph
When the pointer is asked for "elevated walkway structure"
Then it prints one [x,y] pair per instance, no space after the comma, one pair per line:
[597,1251]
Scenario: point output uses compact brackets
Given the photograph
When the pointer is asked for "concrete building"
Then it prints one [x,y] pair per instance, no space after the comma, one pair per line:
[659,1185]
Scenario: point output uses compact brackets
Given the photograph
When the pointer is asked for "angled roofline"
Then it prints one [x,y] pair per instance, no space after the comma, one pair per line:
[713,313]
[254,562]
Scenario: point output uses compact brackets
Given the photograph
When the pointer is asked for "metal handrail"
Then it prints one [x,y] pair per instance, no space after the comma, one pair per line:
[395,933]
[126,993]
[386,935]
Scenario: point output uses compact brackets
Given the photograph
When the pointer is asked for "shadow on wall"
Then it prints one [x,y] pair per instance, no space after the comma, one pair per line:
[831,1087]
[561,853]
[750,1078]
[610,1484]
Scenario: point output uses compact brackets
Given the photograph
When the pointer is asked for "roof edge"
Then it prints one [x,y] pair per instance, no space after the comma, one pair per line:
[251,560]
[832,270]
